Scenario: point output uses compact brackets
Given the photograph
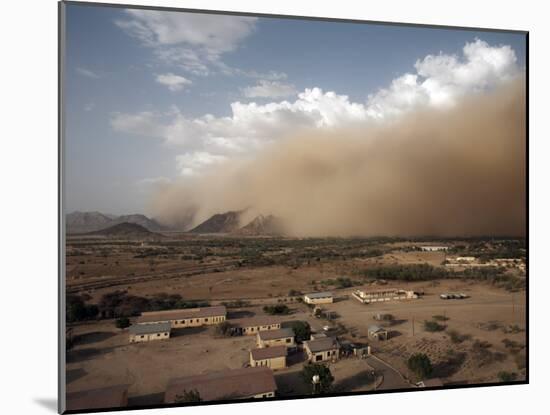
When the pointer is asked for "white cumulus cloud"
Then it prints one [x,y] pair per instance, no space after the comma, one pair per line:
[269,89]
[438,82]
[194,41]
[172,81]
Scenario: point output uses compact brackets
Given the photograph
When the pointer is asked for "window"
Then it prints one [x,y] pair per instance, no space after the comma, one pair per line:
[288,340]
[141,337]
[158,334]
[318,357]
[205,320]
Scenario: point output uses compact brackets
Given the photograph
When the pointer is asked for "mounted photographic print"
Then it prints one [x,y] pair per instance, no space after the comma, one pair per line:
[260,207]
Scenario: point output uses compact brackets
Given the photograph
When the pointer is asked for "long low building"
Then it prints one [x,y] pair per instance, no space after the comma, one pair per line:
[253,325]
[251,382]
[389,294]
[281,337]
[322,349]
[101,398]
[149,332]
[272,357]
[319,298]
[187,317]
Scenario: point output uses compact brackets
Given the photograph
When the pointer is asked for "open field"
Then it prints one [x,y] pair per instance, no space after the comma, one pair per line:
[480,337]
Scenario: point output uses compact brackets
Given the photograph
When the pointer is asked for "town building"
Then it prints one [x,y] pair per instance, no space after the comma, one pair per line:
[434,248]
[319,298]
[388,294]
[101,398]
[430,383]
[272,357]
[149,332]
[378,333]
[281,337]
[246,383]
[188,317]
[322,349]
[253,325]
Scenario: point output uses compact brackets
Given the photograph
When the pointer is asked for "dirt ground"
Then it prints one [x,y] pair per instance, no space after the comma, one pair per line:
[489,315]
[482,335]
[102,356]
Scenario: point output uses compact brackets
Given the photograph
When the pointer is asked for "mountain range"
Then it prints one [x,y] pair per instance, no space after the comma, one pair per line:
[85,222]
[220,223]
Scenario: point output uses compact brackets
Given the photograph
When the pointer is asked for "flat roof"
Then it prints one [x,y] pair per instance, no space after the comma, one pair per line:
[276,334]
[150,328]
[322,344]
[319,295]
[108,397]
[227,384]
[255,321]
[184,313]
[268,352]
[374,328]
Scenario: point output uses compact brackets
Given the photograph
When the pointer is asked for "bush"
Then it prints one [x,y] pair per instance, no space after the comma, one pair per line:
[78,310]
[456,337]
[507,376]
[325,376]
[122,322]
[188,396]
[433,326]
[420,365]
[276,309]
[223,329]
[302,330]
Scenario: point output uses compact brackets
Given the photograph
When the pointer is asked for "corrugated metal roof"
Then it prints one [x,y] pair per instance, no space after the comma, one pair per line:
[150,328]
[276,334]
[375,329]
[227,384]
[255,321]
[169,315]
[268,352]
[319,295]
[322,344]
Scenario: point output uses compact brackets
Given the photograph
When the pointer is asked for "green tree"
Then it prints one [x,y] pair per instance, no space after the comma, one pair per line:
[420,365]
[325,377]
[122,322]
[223,329]
[191,395]
[302,330]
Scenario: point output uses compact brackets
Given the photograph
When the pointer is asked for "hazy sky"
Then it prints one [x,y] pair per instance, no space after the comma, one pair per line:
[157,97]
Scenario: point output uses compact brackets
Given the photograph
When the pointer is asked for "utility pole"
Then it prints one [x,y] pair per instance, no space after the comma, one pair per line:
[413,325]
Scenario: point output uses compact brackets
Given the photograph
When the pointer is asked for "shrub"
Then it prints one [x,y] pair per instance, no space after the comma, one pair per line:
[122,322]
[456,337]
[191,395]
[302,330]
[507,376]
[223,329]
[433,326]
[420,365]
[276,309]
[325,376]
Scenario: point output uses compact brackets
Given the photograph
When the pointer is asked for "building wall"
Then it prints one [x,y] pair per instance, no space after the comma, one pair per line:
[251,330]
[323,300]
[191,322]
[287,341]
[138,338]
[264,395]
[324,355]
[273,363]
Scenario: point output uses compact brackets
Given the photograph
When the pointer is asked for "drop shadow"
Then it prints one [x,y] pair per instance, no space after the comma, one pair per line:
[49,403]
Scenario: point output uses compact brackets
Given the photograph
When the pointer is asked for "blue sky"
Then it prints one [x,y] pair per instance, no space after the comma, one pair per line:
[139,86]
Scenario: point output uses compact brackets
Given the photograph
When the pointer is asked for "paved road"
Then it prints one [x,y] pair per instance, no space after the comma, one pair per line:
[392,379]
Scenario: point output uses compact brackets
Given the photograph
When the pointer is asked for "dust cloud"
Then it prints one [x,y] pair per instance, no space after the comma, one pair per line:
[453,172]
